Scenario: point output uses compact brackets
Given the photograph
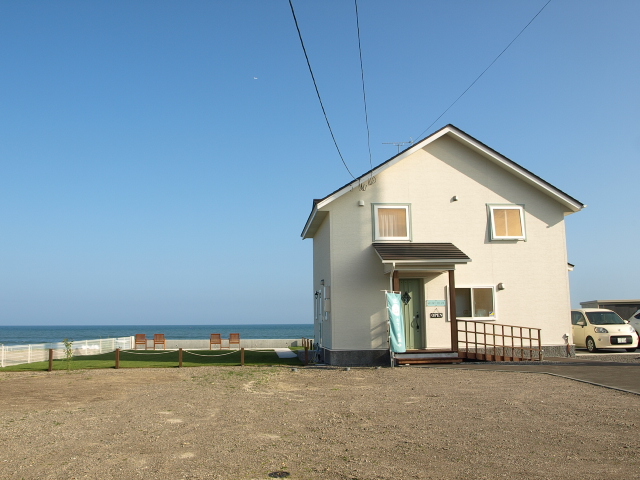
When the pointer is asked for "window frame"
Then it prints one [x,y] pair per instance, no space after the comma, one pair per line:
[493,298]
[374,212]
[492,224]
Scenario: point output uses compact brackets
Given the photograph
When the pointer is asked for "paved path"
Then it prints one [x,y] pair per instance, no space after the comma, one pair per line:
[285,353]
[617,374]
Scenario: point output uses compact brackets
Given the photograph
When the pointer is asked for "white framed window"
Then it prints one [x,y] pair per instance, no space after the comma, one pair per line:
[507,222]
[391,222]
[476,302]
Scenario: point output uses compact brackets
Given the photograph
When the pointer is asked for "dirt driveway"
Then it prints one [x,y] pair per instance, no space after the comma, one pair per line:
[247,423]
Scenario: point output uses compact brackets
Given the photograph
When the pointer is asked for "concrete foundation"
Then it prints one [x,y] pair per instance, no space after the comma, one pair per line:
[355,358]
[559,351]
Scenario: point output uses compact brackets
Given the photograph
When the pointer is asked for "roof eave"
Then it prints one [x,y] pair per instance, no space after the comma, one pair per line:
[529,177]
[313,223]
[305,230]
[568,201]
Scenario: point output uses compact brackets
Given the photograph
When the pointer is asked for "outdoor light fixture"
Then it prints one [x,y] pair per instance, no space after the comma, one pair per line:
[501,286]
[361,203]
[454,198]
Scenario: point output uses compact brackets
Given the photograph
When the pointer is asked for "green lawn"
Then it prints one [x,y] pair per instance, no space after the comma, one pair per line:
[159,359]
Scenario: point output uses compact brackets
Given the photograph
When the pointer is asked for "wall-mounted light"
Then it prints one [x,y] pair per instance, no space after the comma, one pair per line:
[322,282]
[501,286]
[454,198]
[361,203]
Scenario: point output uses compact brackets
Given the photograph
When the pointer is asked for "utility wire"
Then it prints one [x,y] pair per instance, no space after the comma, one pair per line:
[483,72]
[317,91]
[364,95]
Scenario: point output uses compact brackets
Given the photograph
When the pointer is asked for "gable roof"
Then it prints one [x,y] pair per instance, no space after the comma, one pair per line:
[574,205]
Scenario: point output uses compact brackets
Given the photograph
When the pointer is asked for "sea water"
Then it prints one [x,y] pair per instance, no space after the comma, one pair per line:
[13,335]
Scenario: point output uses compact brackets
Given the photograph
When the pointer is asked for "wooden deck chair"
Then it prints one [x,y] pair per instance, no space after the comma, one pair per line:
[141,339]
[234,339]
[216,339]
[158,339]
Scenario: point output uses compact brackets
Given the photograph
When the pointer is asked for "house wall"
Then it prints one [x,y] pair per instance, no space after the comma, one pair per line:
[534,271]
[322,271]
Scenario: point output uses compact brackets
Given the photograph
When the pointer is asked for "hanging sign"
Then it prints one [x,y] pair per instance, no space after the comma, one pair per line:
[396,320]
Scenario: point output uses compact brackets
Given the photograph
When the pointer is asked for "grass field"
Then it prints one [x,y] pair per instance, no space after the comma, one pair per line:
[160,359]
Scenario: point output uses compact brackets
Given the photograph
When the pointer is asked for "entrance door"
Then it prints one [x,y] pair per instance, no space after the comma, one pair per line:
[413,322]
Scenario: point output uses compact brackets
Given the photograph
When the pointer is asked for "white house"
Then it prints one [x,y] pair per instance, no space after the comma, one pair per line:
[462,231]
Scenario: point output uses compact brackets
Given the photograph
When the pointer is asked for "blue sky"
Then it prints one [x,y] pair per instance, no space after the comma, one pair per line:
[158,159]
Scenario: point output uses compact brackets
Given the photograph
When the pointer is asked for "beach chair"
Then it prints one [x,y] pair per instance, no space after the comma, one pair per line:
[216,339]
[234,339]
[141,339]
[158,339]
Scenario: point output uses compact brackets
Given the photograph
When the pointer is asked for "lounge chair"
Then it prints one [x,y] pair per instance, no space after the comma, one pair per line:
[141,339]
[158,339]
[216,339]
[234,339]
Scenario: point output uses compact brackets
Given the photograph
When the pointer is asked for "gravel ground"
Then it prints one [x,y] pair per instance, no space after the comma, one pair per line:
[249,422]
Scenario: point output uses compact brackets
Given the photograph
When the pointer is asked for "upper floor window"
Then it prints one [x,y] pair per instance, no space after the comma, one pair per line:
[507,222]
[391,222]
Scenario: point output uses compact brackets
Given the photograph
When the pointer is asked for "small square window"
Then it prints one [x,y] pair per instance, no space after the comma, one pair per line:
[507,222]
[391,222]
[475,302]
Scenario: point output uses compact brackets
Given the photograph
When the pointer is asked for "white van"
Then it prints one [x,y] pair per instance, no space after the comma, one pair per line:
[595,328]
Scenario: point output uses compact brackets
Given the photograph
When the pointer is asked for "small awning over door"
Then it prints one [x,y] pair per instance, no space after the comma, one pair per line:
[420,256]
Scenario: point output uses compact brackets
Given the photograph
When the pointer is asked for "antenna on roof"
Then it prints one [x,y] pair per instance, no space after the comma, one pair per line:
[399,144]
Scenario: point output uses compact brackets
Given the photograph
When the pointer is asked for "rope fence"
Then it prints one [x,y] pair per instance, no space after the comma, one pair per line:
[120,355]
[99,351]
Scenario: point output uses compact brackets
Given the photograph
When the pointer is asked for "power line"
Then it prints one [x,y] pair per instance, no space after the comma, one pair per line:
[483,72]
[364,95]
[317,91]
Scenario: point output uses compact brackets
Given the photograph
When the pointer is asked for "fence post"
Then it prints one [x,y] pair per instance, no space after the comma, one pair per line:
[242,357]
[51,359]
[117,358]
[180,357]
[2,356]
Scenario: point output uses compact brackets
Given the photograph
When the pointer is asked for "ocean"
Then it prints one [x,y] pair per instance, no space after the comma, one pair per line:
[12,335]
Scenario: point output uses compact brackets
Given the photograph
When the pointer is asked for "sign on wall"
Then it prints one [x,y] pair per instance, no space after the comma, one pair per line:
[436,303]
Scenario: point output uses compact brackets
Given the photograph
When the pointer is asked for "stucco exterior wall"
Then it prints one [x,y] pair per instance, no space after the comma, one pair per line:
[322,271]
[534,271]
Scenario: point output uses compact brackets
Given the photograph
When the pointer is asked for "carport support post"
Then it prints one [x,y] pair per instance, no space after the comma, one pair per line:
[180,358]
[117,358]
[242,357]
[452,311]
[51,359]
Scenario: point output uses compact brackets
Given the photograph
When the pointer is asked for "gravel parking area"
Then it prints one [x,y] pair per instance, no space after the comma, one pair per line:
[249,422]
